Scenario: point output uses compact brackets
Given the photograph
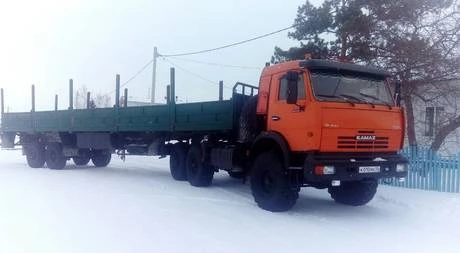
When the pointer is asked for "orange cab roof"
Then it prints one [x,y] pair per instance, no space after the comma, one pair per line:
[324,65]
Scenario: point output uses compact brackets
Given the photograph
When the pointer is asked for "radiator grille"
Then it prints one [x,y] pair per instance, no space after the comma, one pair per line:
[351,142]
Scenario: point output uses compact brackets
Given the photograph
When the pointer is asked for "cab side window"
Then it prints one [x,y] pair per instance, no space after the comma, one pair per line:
[283,88]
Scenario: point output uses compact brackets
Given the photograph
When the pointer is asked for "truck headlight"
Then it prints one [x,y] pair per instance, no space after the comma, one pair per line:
[401,167]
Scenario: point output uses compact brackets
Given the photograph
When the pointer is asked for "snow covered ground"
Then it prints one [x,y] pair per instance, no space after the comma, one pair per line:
[136,207]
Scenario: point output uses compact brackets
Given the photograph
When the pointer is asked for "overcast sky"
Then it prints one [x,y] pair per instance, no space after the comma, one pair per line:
[49,41]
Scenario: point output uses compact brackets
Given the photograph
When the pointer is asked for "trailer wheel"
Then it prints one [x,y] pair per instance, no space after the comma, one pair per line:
[177,160]
[198,172]
[248,127]
[270,185]
[354,193]
[81,160]
[101,157]
[35,155]
[54,157]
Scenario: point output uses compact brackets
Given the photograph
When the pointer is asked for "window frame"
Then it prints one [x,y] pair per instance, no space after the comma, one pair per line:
[302,77]
[385,80]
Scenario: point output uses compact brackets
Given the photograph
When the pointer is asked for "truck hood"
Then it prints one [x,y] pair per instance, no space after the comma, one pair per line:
[361,128]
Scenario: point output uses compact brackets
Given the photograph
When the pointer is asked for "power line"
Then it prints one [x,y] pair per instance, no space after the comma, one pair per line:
[134,76]
[137,73]
[202,62]
[229,45]
[216,64]
[194,74]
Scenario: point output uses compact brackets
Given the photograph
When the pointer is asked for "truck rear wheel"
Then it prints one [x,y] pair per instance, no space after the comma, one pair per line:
[354,193]
[54,157]
[198,172]
[270,185]
[81,160]
[101,157]
[177,160]
[35,155]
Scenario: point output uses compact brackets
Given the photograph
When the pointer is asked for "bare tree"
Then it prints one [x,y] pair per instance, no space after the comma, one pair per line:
[102,101]
[416,40]
[80,98]
[97,100]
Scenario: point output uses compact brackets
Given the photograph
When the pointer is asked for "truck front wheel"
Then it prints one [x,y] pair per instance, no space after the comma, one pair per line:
[101,157]
[198,172]
[270,185]
[35,155]
[54,157]
[177,160]
[354,193]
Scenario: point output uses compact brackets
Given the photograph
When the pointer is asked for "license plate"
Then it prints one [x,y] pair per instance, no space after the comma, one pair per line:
[369,169]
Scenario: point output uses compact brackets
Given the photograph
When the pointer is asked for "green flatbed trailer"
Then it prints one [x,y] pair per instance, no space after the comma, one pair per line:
[137,130]
[128,126]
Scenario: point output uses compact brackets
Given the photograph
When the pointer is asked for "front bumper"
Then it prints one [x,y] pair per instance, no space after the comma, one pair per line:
[346,166]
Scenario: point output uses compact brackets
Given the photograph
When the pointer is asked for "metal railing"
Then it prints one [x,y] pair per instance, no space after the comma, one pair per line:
[253,90]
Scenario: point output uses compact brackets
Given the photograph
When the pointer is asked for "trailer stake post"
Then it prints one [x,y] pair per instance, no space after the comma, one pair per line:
[117,91]
[173,86]
[33,98]
[70,94]
[125,100]
[88,100]
[2,97]
[56,102]
[172,100]
[221,90]
[168,94]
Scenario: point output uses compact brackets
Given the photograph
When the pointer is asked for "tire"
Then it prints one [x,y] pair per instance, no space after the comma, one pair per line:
[248,127]
[354,193]
[81,160]
[35,155]
[101,157]
[198,173]
[236,175]
[54,157]
[270,185]
[177,160]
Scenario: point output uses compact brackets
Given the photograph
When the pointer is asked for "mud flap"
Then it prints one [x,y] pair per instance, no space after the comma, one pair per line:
[8,140]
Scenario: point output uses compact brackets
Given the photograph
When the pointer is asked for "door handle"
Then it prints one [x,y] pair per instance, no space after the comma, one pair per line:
[275,118]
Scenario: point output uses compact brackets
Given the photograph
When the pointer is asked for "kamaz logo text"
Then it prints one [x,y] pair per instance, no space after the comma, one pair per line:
[365,137]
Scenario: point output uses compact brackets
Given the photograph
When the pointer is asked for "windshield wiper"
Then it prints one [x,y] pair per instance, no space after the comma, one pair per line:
[376,98]
[358,99]
[340,97]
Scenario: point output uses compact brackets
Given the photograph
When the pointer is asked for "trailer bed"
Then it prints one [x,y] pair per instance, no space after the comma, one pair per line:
[189,117]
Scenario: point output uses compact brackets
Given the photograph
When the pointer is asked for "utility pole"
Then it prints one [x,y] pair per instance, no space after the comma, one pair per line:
[154,74]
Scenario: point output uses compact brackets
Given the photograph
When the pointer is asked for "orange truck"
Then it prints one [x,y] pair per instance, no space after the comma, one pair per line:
[327,125]
[317,123]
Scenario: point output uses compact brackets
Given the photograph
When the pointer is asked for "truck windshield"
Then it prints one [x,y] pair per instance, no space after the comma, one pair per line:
[353,89]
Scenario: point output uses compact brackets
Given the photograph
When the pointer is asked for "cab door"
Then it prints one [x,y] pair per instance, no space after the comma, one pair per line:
[289,120]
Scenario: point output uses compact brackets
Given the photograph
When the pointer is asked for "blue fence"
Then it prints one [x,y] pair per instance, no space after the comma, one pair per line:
[430,171]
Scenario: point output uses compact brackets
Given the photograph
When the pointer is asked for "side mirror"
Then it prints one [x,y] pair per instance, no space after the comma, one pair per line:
[397,95]
[292,80]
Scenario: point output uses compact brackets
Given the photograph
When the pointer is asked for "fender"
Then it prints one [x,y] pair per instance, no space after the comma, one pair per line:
[266,140]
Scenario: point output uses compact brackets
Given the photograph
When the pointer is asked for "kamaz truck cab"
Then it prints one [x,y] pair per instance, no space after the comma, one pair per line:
[333,125]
